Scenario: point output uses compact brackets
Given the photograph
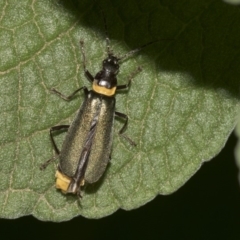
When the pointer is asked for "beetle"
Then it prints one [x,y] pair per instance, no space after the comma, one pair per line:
[86,150]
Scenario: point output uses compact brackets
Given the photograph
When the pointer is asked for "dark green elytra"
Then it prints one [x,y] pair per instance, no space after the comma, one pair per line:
[96,113]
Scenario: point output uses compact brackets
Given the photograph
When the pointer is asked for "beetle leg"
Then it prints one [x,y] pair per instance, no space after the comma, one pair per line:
[87,73]
[68,98]
[52,129]
[130,78]
[56,128]
[122,130]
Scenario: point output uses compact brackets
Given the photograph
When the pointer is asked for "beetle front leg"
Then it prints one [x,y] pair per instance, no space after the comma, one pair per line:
[87,73]
[130,78]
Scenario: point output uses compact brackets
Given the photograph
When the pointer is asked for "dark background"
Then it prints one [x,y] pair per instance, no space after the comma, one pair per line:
[206,207]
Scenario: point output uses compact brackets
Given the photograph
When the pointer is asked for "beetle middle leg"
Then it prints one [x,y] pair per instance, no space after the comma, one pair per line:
[122,130]
[68,98]
[52,129]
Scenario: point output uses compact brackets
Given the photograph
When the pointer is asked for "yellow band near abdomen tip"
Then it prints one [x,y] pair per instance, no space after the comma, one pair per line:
[62,181]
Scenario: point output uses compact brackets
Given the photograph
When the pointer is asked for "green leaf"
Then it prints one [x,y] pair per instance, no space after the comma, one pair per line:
[237,148]
[237,2]
[181,107]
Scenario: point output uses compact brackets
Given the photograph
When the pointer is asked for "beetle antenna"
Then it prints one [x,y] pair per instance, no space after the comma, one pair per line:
[130,53]
[109,52]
